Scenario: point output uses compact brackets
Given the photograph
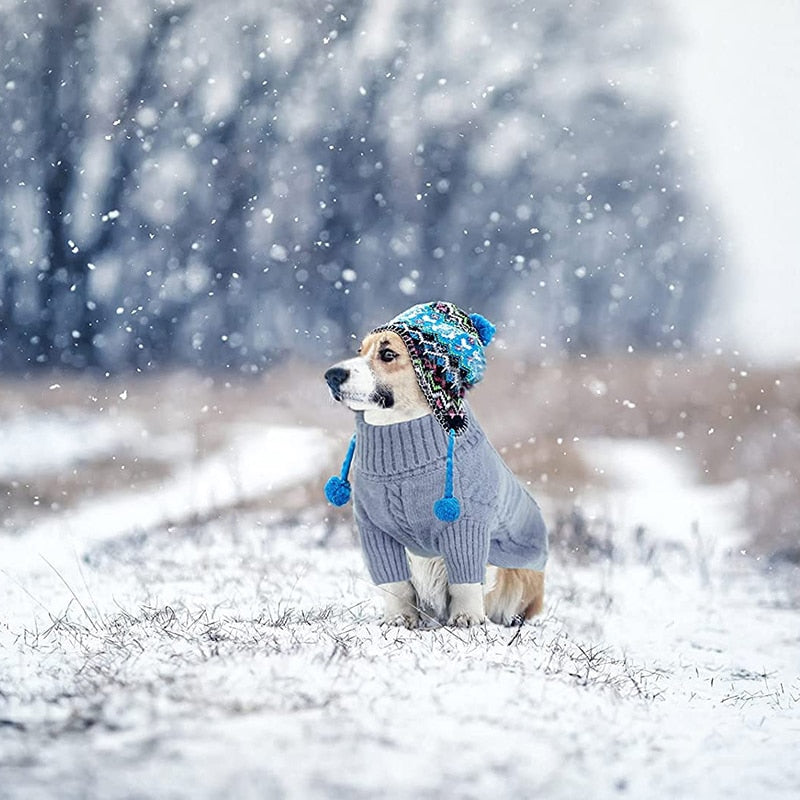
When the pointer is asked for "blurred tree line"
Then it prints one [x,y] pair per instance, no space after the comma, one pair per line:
[221,184]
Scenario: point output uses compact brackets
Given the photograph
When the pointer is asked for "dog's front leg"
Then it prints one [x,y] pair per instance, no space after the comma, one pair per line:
[466,605]
[465,547]
[400,604]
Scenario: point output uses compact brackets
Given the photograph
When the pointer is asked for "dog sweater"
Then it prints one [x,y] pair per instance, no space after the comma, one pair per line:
[398,473]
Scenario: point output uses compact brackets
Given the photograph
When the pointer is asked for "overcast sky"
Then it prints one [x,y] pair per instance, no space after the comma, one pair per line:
[737,81]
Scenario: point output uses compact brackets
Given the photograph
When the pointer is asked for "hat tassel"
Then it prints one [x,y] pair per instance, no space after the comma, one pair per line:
[337,489]
[448,508]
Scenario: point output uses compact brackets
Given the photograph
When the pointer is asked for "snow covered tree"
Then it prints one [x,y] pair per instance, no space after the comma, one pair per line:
[77,152]
[219,185]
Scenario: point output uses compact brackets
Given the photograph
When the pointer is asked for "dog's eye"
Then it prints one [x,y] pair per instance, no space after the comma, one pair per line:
[387,355]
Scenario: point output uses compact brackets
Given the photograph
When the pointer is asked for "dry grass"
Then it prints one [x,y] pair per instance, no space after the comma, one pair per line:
[737,422]
[254,630]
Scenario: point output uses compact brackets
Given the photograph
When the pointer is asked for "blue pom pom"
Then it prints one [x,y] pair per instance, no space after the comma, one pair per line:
[485,328]
[337,491]
[447,509]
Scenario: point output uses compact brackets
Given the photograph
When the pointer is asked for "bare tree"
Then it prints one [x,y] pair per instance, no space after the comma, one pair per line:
[69,318]
[217,184]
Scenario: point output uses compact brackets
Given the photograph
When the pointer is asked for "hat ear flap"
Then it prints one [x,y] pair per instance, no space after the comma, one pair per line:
[485,328]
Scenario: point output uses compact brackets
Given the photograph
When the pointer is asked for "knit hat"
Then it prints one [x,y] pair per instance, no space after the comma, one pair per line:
[445,345]
[446,349]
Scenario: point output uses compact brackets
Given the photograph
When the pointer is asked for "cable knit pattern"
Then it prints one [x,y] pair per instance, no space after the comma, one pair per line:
[398,474]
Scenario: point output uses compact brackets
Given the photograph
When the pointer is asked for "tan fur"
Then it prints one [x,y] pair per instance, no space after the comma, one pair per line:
[409,402]
[516,592]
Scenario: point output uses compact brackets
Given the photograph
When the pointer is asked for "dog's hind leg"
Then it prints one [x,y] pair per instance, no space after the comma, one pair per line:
[517,595]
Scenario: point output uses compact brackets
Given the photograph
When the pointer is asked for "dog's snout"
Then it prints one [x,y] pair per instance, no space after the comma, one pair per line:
[335,377]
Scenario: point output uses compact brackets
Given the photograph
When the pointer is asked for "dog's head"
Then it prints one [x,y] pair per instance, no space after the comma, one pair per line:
[381,377]
[422,361]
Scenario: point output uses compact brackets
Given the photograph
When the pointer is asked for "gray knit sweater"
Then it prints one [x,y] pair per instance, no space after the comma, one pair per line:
[398,474]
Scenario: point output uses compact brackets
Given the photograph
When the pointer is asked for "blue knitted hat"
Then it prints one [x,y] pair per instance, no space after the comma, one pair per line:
[445,345]
[446,349]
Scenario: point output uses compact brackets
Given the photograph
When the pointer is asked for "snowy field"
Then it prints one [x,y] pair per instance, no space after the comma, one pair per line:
[206,629]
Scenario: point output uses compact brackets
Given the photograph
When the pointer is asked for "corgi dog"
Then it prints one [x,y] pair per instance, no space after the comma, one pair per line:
[434,567]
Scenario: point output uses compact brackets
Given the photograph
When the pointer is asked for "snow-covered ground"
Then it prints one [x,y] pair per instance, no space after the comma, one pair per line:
[254,461]
[165,649]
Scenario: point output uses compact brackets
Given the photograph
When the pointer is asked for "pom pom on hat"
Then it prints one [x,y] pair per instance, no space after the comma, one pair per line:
[485,328]
[337,488]
[447,509]
[337,491]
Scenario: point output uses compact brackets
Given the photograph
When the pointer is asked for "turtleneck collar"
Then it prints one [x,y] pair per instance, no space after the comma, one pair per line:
[405,446]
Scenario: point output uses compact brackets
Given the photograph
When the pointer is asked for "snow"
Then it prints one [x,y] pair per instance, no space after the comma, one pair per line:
[255,461]
[204,649]
[656,486]
[209,631]
[31,444]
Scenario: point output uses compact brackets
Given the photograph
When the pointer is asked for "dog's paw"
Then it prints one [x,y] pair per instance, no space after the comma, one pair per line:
[403,620]
[466,605]
[465,619]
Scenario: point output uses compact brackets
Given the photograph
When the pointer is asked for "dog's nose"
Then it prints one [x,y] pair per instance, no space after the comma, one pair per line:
[335,377]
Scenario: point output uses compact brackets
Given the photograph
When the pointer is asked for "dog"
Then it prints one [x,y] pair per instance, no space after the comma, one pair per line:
[433,563]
